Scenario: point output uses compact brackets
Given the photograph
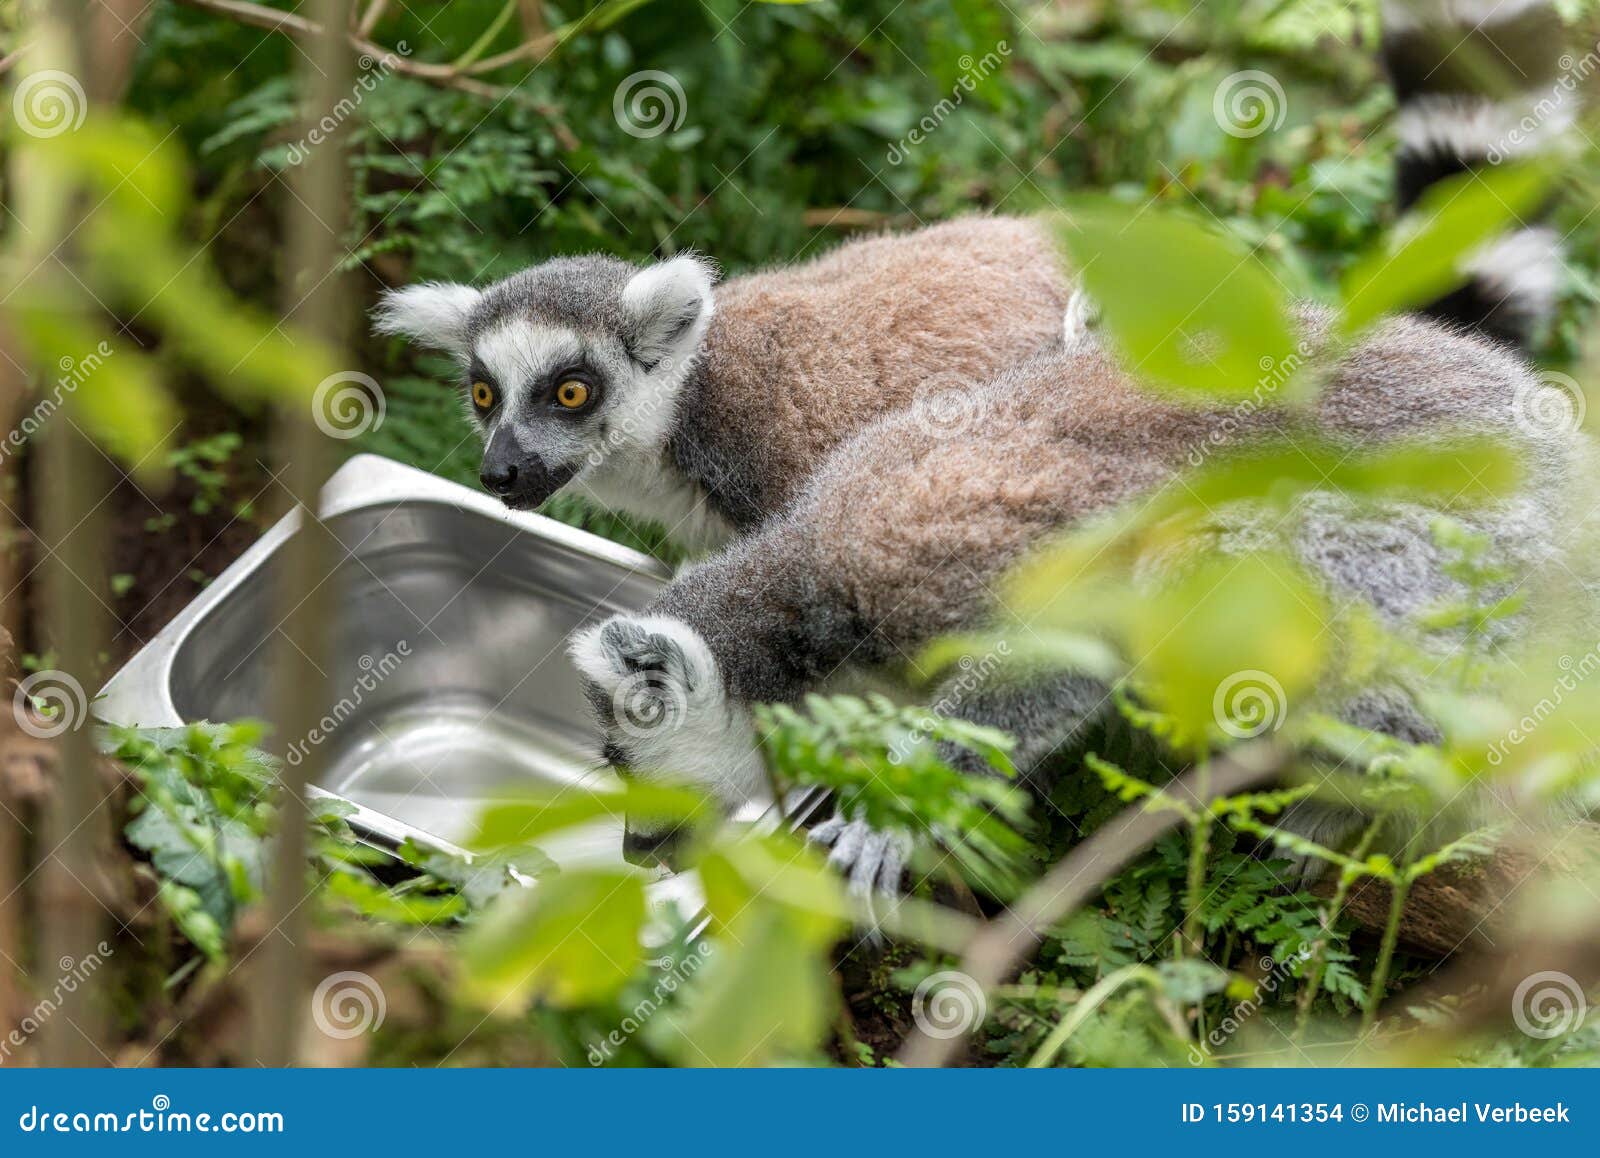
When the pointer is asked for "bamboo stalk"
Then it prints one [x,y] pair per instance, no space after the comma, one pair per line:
[11,832]
[71,484]
[317,307]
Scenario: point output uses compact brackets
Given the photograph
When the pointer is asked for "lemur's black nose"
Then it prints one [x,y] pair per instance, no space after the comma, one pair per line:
[499,477]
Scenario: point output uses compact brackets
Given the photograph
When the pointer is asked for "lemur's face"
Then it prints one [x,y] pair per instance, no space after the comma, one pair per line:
[664,714]
[566,365]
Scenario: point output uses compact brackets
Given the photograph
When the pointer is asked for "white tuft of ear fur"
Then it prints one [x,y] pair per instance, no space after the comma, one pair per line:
[668,307]
[670,715]
[612,652]
[434,314]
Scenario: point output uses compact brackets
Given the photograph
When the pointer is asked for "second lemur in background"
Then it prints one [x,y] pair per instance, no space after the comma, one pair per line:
[1481,83]
[905,535]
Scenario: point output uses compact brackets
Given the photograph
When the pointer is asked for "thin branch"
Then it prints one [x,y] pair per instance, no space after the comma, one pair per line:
[258,16]
[1001,945]
[370,18]
[439,75]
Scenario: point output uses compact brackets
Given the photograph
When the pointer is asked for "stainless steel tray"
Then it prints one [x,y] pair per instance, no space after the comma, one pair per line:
[448,655]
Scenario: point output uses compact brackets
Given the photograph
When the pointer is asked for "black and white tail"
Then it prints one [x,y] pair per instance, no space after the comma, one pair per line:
[1480,83]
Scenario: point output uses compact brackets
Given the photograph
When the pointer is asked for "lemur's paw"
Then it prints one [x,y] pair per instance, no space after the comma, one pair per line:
[872,861]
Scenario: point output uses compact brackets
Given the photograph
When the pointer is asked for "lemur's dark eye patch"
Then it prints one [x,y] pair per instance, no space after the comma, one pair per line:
[483,395]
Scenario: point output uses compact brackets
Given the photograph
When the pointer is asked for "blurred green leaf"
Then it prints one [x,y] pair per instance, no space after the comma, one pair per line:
[1231,645]
[514,822]
[1188,308]
[762,997]
[1422,259]
[571,940]
[775,869]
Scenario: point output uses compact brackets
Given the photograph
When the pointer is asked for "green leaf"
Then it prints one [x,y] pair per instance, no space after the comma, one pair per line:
[763,996]
[1423,257]
[1232,645]
[775,869]
[1205,324]
[518,822]
[571,940]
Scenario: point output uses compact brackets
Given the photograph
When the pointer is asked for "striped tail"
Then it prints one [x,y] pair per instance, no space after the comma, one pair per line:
[1479,83]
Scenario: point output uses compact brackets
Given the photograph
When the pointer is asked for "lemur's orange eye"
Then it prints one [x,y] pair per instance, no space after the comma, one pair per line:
[482,395]
[572,394]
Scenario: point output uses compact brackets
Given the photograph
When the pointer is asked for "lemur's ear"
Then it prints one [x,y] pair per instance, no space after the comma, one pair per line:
[624,647]
[667,308]
[432,314]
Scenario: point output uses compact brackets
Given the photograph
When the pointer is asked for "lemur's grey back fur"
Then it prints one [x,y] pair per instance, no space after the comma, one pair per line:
[905,532]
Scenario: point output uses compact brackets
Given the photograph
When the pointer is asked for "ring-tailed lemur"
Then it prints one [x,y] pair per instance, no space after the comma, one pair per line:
[1480,83]
[706,407]
[905,533]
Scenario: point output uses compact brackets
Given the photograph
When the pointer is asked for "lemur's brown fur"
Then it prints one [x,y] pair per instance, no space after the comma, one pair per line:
[801,357]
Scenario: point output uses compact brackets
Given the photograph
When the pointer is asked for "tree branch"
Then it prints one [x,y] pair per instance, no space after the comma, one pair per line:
[440,75]
[1001,945]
